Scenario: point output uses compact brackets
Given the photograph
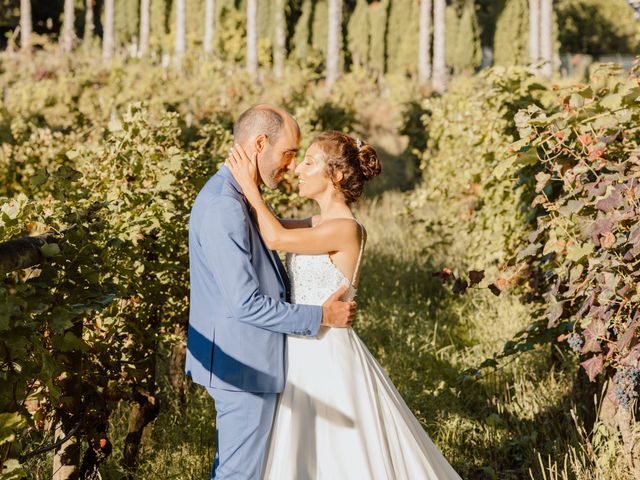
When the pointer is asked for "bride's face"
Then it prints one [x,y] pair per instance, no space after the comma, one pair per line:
[313,180]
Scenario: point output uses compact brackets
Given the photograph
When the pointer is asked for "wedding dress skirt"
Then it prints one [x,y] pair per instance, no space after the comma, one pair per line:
[340,416]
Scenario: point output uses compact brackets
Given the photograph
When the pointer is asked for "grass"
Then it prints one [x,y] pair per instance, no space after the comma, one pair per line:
[515,423]
[518,422]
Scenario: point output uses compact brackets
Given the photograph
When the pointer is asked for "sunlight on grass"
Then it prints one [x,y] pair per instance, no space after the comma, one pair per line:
[514,423]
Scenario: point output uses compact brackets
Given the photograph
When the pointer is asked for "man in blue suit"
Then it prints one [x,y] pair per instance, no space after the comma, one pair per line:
[239,316]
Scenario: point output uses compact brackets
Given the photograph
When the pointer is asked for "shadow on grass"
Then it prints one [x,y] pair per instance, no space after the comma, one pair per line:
[418,332]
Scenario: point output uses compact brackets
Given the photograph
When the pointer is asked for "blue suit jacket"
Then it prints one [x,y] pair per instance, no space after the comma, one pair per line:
[238,314]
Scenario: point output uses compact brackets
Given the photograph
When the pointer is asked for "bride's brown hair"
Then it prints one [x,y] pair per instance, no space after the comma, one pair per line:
[355,159]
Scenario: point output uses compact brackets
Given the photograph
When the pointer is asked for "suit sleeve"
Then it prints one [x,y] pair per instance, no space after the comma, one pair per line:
[224,238]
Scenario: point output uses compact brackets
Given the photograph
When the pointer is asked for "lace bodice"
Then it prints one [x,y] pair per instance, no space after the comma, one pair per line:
[313,278]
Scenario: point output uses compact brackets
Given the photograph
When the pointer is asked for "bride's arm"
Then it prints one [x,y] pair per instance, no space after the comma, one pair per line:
[327,237]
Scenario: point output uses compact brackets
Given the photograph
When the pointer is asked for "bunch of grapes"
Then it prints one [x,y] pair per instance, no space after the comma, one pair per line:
[626,380]
[575,342]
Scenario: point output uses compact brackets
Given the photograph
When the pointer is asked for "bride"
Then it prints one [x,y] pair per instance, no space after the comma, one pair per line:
[334,422]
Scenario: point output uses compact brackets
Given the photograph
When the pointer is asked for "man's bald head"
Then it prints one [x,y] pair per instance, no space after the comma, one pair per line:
[271,135]
[263,119]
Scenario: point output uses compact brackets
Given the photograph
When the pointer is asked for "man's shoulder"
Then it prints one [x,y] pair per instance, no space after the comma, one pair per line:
[219,201]
[219,189]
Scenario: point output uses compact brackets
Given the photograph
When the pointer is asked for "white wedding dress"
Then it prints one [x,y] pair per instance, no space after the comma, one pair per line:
[340,416]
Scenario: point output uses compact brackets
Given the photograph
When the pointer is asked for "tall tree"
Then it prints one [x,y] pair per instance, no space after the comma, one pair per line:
[510,42]
[252,36]
[68,31]
[534,34]
[439,81]
[301,33]
[598,27]
[25,25]
[320,26]
[378,16]
[89,26]
[464,51]
[359,34]
[279,38]
[108,40]
[333,41]
[209,26]
[145,27]
[424,45]
[546,37]
[403,36]
[181,31]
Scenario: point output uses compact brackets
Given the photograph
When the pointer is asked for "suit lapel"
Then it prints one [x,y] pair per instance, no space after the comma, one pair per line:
[275,261]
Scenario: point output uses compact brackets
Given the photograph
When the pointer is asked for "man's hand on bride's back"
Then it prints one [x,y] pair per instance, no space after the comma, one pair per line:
[336,313]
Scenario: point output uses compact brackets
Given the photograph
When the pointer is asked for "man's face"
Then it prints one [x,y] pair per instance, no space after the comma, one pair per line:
[275,159]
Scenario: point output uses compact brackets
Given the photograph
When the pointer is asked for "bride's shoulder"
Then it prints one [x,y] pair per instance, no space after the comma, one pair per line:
[345,227]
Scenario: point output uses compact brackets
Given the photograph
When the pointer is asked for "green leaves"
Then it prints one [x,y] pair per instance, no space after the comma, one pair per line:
[575,253]
[612,101]
[10,423]
[50,250]
[590,220]
[39,178]
[12,470]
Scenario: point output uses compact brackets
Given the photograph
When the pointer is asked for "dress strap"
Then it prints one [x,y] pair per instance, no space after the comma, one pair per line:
[355,273]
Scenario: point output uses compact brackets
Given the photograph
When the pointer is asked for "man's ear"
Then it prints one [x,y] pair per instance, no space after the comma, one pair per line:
[261,142]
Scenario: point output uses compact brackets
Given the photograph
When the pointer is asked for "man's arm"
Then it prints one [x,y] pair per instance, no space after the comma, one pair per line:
[225,241]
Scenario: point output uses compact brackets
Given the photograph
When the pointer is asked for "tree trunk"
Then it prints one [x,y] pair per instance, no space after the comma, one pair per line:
[25,25]
[146,406]
[209,26]
[68,31]
[439,81]
[333,41]
[534,34]
[181,32]
[144,28]
[89,26]
[66,458]
[424,47]
[279,40]
[546,38]
[143,412]
[252,37]
[108,40]
[176,365]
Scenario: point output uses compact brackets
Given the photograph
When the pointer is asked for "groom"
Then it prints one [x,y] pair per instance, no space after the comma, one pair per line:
[239,315]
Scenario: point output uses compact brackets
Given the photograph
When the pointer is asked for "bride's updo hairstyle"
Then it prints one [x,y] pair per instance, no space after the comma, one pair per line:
[357,160]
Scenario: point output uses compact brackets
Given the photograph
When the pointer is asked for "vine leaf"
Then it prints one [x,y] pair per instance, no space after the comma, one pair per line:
[592,333]
[576,253]
[9,424]
[476,276]
[553,314]
[531,249]
[632,358]
[628,334]
[593,366]
[613,201]
[542,179]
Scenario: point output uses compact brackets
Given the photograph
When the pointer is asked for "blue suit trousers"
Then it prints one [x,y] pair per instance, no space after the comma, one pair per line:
[243,424]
